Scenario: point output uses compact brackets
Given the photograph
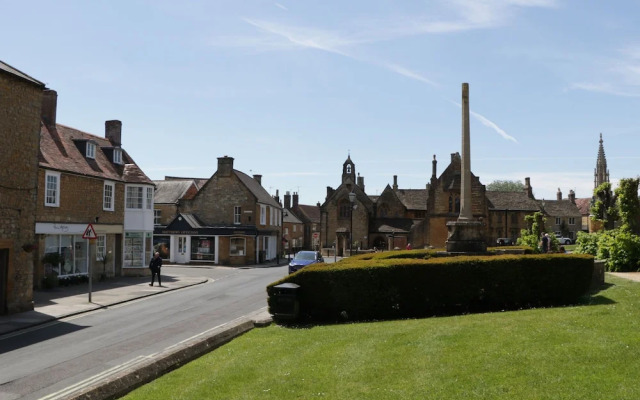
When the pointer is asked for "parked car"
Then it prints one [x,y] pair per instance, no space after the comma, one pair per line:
[304,258]
[564,240]
[505,242]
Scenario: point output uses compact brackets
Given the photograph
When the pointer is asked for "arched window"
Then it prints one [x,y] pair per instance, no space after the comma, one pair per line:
[348,168]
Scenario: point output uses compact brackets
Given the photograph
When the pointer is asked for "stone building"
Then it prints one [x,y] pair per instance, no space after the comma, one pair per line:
[398,216]
[293,235]
[231,219]
[20,102]
[563,216]
[87,179]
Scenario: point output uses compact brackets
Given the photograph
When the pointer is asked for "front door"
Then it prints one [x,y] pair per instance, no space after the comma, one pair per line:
[182,255]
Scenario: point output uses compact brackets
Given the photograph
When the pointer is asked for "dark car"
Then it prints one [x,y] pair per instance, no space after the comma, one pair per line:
[304,258]
[505,242]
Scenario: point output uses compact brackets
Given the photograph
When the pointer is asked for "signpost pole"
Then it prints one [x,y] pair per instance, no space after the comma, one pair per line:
[90,236]
[89,265]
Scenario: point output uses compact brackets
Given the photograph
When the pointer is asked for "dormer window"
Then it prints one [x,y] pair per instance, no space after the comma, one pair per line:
[91,150]
[117,156]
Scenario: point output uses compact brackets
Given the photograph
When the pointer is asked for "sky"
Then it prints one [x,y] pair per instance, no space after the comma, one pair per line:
[291,88]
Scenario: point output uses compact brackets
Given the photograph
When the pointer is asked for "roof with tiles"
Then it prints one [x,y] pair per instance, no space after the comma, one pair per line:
[560,208]
[413,199]
[170,191]
[256,188]
[309,213]
[61,150]
[511,201]
[584,205]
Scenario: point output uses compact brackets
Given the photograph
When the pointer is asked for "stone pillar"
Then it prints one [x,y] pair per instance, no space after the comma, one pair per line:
[465,186]
[466,235]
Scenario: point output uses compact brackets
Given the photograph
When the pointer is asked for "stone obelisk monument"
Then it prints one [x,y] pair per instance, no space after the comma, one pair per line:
[466,235]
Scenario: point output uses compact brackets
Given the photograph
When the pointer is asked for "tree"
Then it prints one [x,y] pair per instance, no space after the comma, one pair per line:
[531,235]
[604,209]
[628,205]
[505,186]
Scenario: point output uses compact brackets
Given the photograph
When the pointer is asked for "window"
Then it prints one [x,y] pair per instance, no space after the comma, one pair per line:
[117,156]
[237,246]
[107,200]
[286,231]
[157,215]
[557,221]
[345,209]
[52,189]
[348,168]
[272,216]
[294,227]
[263,214]
[237,215]
[133,250]
[149,198]
[572,221]
[134,197]
[91,150]
[101,247]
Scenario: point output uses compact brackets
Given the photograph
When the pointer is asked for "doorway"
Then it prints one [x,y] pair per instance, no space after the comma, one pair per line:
[182,255]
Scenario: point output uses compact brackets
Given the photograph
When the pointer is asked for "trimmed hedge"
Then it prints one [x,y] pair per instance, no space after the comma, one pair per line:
[390,288]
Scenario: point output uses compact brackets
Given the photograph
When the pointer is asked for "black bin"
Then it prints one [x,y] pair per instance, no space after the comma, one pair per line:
[285,303]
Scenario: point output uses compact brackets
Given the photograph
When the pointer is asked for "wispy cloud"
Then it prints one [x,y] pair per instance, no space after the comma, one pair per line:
[618,75]
[408,73]
[281,6]
[488,123]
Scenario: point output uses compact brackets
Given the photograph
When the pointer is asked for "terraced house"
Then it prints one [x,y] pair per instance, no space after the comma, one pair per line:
[230,219]
[87,179]
[20,101]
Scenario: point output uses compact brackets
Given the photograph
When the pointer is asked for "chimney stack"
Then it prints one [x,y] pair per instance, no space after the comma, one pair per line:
[225,166]
[559,195]
[287,200]
[258,178]
[527,187]
[434,164]
[572,196]
[113,132]
[295,200]
[49,107]
[361,181]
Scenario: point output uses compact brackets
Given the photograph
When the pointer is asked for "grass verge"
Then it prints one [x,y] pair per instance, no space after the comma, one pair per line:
[590,351]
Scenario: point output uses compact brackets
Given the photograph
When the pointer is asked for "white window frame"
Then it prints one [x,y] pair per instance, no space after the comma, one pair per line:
[117,156]
[272,216]
[139,198]
[101,246]
[558,220]
[55,196]
[263,214]
[157,216]
[237,215]
[572,220]
[91,150]
[108,199]
[149,199]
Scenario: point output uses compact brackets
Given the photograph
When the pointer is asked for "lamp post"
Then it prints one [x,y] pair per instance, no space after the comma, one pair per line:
[352,200]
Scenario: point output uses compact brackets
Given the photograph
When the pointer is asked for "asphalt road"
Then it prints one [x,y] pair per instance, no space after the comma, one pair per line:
[58,359]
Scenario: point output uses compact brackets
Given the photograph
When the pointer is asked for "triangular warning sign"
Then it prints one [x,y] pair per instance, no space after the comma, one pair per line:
[89,233]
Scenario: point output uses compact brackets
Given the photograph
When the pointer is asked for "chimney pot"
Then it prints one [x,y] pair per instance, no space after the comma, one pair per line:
[258,178]
[295,200]
[225,166]
[49,108]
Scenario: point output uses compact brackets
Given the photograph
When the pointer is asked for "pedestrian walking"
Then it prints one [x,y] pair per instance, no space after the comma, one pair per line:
[154,265]
[545,243]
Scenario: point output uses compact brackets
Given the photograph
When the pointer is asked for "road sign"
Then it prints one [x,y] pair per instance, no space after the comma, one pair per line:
[89,233]
[316,235]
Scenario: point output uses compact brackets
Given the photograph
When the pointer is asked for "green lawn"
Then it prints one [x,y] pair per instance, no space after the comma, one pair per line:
[590,351]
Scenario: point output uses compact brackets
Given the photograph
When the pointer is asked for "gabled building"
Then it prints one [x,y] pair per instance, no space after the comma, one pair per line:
[87,179]
[293,230]
[309,217]
[230,220]
[507,212]
[20,102]
[563,217]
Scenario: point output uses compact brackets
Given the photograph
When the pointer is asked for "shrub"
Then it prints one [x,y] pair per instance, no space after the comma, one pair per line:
[410,288]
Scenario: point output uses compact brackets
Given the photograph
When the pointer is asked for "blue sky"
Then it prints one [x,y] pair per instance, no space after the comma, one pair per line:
[290,88]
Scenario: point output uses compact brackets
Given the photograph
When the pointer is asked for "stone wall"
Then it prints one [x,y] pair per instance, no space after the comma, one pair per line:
[20,104]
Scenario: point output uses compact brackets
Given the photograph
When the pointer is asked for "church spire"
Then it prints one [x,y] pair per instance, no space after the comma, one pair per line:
[601,173]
